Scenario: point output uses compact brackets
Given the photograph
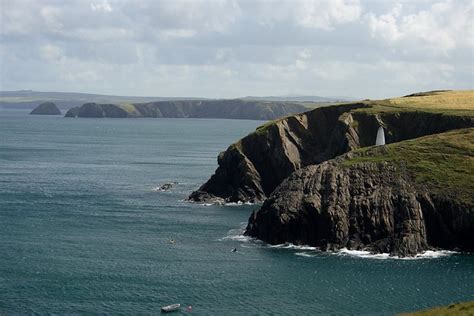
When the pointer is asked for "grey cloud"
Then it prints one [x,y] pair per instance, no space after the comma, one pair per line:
[231,48]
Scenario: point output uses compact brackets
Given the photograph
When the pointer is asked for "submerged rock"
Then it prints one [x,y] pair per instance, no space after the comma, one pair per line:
[46,108]
[165,187]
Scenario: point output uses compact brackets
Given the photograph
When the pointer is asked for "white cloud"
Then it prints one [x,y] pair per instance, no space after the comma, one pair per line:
[325,14]
[440,28]
[385,25]
[50,52]
[52,18]
[178,33]
[227,48]
[102,6]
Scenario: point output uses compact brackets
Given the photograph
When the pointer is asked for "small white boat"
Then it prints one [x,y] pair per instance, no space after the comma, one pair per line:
[170,308]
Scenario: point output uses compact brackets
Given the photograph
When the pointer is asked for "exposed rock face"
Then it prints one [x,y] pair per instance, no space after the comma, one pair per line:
[46,108]
[370,206]
[72,112]
[97,110]
[229,109]
[252,168]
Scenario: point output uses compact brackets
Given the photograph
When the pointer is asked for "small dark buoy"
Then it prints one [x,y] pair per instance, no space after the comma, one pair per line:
[234,250]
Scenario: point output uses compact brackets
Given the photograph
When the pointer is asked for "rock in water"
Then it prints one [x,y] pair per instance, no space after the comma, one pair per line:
[46,108]
[380,140]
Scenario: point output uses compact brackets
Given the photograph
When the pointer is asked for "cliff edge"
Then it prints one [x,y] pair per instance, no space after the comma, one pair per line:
[250,169]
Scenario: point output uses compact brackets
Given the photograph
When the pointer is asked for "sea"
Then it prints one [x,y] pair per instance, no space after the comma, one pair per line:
[85,229]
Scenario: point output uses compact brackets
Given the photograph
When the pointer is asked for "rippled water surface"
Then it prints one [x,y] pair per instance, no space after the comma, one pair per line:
[83,231]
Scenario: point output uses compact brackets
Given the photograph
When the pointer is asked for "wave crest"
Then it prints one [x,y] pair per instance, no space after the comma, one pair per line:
[428,254]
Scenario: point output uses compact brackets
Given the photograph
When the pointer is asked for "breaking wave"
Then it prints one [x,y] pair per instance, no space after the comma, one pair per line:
[429,254]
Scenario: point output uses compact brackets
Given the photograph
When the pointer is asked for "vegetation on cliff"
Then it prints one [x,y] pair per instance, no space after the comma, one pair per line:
[443,163]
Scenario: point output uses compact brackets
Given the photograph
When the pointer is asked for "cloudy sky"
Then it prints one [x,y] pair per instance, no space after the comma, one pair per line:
[234,48]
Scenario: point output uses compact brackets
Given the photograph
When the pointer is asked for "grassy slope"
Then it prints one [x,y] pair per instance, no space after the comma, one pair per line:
[453,102]
[452,310]
[450,102]
[442,162]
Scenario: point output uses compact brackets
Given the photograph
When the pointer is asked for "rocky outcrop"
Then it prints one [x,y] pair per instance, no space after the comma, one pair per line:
[252,168]
[46,108]
[97,110]
[228,109]
[365,206]
[72,112]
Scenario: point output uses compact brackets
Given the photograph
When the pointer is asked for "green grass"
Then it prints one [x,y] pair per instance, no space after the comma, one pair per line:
[129,108]
[443,163]
[450,102]
[455,102]
[452,310]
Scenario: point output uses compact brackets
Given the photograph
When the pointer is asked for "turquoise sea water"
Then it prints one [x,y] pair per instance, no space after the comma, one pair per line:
[83,231]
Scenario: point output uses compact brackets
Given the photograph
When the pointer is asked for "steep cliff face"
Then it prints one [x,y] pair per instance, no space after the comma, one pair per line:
[387,199]
[229,109]
[46,108]
[332,207]
[252,168]
[97,110]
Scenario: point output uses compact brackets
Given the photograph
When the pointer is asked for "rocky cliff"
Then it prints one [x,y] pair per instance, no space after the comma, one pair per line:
[46,108]
[229,109]
[400,199]
[97,110]
[253,167]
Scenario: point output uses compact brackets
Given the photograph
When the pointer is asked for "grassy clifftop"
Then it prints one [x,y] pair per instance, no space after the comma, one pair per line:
[452,102]
[449,102]
[460,309]
[444,163]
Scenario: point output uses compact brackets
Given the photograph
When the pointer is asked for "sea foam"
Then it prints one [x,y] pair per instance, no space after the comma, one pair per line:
[292,246]
[429,254]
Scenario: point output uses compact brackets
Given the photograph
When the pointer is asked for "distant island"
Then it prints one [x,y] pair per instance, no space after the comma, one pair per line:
[46,108]
[86,105]
[324,184]
[227,109]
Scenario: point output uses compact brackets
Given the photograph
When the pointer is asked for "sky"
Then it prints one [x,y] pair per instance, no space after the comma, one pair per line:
[231,48]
